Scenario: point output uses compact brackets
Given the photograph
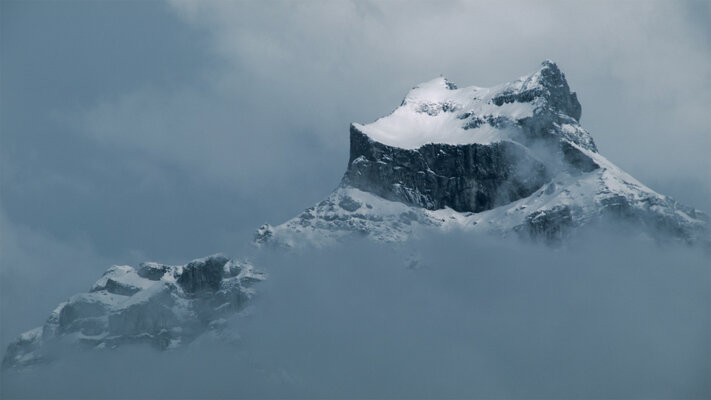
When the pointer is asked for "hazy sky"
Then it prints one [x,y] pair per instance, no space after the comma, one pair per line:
[168,131]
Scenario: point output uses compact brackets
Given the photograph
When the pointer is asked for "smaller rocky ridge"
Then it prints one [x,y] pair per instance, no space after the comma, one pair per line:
[165,306]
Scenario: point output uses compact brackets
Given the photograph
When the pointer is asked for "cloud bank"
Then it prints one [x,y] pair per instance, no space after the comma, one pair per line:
[450,316]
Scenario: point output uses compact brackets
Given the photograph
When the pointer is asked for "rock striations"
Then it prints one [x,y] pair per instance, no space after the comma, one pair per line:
[511,159]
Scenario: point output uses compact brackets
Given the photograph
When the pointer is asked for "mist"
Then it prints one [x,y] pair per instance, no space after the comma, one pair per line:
[167,131]
[451,315]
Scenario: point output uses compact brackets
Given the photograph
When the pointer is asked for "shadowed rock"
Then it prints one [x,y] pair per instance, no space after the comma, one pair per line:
[473,177]
[203,275]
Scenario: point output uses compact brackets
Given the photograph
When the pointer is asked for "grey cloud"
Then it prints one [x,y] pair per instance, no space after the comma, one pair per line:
[606,317]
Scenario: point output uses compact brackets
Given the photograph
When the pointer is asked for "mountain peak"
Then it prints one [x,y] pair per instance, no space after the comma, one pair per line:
[549,64]
[437,111]
[549,73]
[510,159]
[555,89]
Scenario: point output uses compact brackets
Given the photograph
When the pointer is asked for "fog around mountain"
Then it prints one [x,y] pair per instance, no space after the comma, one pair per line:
[450,316]
[168,131]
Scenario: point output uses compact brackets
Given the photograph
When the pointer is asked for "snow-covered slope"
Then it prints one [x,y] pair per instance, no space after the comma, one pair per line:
[161,305]
[438,112]
[512,159]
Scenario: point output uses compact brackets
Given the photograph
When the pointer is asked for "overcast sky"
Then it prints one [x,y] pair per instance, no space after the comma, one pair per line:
[136,131]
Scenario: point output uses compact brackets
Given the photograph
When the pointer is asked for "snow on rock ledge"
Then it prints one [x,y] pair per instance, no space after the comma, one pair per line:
[165,306]
[438,112]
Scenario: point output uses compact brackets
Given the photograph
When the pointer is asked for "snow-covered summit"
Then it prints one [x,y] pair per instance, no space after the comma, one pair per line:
[511,159]
[438,112]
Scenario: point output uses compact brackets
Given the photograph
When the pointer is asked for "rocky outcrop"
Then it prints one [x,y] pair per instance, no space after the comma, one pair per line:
[473,177]
[160,305]
[550,84]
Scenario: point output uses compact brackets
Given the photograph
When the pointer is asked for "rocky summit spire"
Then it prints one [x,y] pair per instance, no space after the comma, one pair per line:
[547,85]
[559,93]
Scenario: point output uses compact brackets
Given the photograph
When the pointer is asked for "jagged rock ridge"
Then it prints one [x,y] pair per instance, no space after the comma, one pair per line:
[161,305]
[512,159]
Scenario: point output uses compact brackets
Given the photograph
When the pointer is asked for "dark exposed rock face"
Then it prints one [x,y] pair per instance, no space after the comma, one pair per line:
[473,177]
[576,159]
[152,271]
[202,276]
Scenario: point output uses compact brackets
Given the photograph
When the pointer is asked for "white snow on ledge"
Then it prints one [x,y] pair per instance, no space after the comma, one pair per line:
[436,112]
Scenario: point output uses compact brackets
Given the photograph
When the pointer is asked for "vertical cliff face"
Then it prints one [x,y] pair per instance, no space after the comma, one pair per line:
[472,177]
